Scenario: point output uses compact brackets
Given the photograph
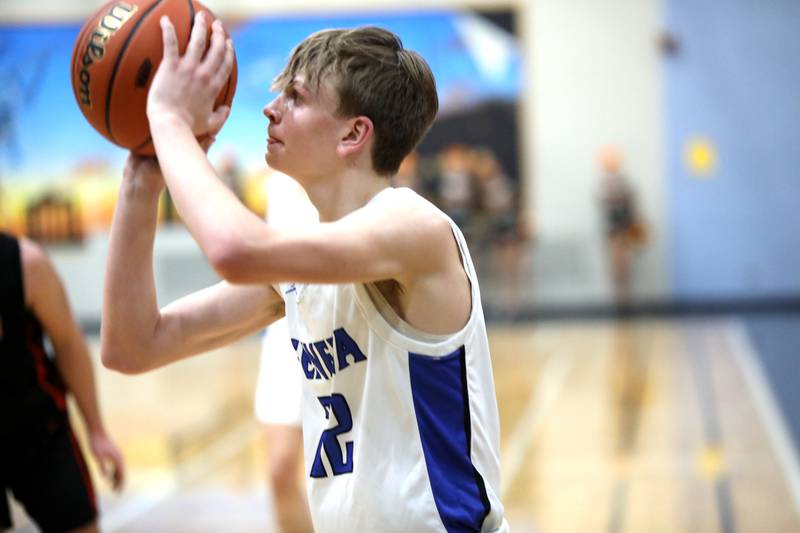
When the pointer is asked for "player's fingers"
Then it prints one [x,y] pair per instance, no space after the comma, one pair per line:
[222,74]
[197,41]
[119,472]
[216,52]
[104,467]
[170,39]
[217,119]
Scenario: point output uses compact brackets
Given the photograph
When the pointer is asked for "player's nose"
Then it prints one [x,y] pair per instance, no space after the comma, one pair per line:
[272,112]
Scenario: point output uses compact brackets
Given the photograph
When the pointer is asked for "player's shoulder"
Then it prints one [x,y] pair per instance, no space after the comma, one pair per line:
[407,204]
[411,222]
[33,257]
[411,210]
[38,273]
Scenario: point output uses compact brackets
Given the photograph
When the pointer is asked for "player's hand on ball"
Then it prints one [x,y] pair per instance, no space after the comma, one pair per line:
[186,86]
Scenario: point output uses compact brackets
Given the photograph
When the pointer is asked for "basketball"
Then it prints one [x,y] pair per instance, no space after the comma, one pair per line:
[115,57]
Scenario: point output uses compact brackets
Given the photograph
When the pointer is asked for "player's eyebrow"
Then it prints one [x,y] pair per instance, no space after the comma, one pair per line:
[300,86]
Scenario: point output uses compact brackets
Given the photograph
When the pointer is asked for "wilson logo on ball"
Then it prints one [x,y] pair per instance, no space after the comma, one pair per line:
[117,16]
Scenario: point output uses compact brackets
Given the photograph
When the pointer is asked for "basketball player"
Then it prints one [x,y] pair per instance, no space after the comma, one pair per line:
[623,226]
[400,422]
[40,460]
[278,392]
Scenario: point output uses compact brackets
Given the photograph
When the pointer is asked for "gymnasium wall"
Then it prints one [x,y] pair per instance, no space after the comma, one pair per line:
[596,80]
[734,81]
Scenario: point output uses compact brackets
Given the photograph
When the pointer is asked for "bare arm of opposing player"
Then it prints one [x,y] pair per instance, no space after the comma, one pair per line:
[136,335]
[45,295]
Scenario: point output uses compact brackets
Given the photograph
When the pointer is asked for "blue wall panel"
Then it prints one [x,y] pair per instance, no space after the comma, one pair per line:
[736,81]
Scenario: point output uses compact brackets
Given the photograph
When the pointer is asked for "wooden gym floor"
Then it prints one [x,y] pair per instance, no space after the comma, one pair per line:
[641,426]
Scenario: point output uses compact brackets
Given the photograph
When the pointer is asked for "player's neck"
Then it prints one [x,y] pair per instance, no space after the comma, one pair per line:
[336,196]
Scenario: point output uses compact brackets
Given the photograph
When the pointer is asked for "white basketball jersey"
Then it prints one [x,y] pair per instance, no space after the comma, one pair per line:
[400,427]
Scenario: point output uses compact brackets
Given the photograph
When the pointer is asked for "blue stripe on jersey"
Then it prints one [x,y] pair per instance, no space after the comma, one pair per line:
[441,404]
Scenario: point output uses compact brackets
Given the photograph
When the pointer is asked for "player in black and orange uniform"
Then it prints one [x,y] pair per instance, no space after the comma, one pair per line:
[40,460]
[625,230]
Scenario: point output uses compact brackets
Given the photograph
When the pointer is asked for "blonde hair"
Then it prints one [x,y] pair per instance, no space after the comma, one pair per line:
[375,76]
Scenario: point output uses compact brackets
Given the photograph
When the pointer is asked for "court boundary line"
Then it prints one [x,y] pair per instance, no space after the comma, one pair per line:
[744,353]
[545,391]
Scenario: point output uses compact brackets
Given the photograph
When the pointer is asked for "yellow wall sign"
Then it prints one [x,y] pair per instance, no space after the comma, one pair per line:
[700,157]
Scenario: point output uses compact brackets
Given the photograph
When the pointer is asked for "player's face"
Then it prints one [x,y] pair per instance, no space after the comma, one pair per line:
[303,131]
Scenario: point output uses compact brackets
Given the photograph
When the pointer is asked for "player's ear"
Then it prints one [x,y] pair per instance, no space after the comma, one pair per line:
[357,135]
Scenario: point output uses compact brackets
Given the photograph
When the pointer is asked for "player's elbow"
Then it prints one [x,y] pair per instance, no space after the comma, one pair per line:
[123,366]
[121,360]
[228,258]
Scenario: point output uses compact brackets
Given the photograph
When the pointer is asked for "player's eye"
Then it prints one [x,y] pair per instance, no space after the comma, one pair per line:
[292,94]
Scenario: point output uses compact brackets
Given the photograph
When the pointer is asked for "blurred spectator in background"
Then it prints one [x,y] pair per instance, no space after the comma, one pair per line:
[501,229]
[456,187]
[625,231]
[498,202]
[408,173]
[421,174]
[40,460]
[230,172]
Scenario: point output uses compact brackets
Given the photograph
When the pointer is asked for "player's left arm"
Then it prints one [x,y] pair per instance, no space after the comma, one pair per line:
[45,295]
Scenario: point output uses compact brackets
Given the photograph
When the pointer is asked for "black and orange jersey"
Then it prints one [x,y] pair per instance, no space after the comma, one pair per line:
[31,388]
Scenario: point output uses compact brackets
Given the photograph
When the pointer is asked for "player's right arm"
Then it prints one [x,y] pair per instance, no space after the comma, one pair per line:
[136,335]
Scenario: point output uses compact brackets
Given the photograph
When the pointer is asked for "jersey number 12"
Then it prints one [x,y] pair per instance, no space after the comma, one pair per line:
[341,463]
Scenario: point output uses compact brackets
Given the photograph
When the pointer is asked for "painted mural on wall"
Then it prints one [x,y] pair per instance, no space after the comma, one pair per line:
[59,178]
